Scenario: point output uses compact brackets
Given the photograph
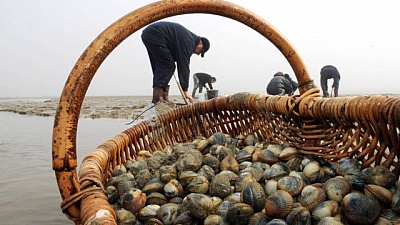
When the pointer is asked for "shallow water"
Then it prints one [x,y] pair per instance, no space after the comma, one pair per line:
[28,187]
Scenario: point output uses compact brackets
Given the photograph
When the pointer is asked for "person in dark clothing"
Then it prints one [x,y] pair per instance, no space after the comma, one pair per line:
[168,43]
[200,80]
[329,72]
[281,84]
[295,85]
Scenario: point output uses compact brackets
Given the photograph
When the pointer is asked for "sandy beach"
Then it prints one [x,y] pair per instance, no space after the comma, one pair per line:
[121,107]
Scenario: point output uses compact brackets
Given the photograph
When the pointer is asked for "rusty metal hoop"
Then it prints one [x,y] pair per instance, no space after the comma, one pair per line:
[64,157]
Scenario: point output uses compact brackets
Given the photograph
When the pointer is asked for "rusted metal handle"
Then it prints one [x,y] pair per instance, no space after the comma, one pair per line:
[67,114]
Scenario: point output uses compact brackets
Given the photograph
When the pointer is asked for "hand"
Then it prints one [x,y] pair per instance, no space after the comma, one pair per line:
[333,85]
[188,96]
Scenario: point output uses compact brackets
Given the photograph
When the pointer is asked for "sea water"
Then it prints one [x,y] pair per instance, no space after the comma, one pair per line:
[28,187]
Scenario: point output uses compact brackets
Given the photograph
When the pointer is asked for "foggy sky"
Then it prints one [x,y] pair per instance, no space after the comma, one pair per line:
[41,41]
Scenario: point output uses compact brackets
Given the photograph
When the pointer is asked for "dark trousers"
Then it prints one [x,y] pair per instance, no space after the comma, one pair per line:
[324,86]
[162,63]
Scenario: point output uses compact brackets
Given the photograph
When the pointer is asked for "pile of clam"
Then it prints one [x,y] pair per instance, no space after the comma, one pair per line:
[242,180]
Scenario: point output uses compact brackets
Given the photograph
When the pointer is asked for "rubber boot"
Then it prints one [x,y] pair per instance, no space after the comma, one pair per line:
[166,98]
[165,94]
[157,94]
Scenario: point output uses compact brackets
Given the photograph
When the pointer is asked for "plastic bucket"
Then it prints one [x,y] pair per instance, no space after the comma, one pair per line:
[212,94]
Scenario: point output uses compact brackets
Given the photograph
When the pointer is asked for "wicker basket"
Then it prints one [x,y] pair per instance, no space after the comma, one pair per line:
[363,127]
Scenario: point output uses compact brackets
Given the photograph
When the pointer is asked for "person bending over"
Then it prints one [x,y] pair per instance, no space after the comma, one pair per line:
[168,43]
[281,84]
[329,72]
[200,80]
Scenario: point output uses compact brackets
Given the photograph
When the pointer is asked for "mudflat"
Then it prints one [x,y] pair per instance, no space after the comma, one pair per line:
[124,107]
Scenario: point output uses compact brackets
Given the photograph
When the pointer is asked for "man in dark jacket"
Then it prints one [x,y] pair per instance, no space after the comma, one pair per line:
[200,80]
[281,85]
[329,72]
[167,43]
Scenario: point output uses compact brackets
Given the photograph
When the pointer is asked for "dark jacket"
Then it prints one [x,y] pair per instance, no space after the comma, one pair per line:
[279,85]
[329,72]
[180,42]
[204,79]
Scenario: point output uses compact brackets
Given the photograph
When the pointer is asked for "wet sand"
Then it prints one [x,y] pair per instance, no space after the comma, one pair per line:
[119,107]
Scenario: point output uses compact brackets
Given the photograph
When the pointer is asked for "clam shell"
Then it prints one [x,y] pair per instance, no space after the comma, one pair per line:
[260,166]
[294,163]
[137,166]
[336,188]
[381,194]
[357,180]
[214,220]
[267,156]
[274,148]
[168,172]
[168,213]
[277,222]
[253,194]
[282,166]
[207,172]
[359,209]
[185,177]
[382,176]
[112,194]
[279,204]
[270,187]
[313,171]
[274,173]
[173,189]
[149,211]
[134,200]
[330,221]
[199,185]
[222,208]
[396,201]
[212,162]
[154,185]
[250,140]
[299,216]
[189,162]
[125,186]
[258,219]
[229,163]
[156,198]
[186,218]
[293,185]
[220,186]
[199,205]
[311,196]
[243,156]
[258,174]
[288,153]
[390,215]
[125,217]
[156,160]
[348,166]
[239,213]
[118,170]
[324,209]
[204,146]
[234,197]
[218,138]
[243,180]
[142,178]
[249,149]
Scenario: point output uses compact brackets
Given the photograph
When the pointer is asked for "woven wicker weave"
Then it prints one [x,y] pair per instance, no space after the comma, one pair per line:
[361,127]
